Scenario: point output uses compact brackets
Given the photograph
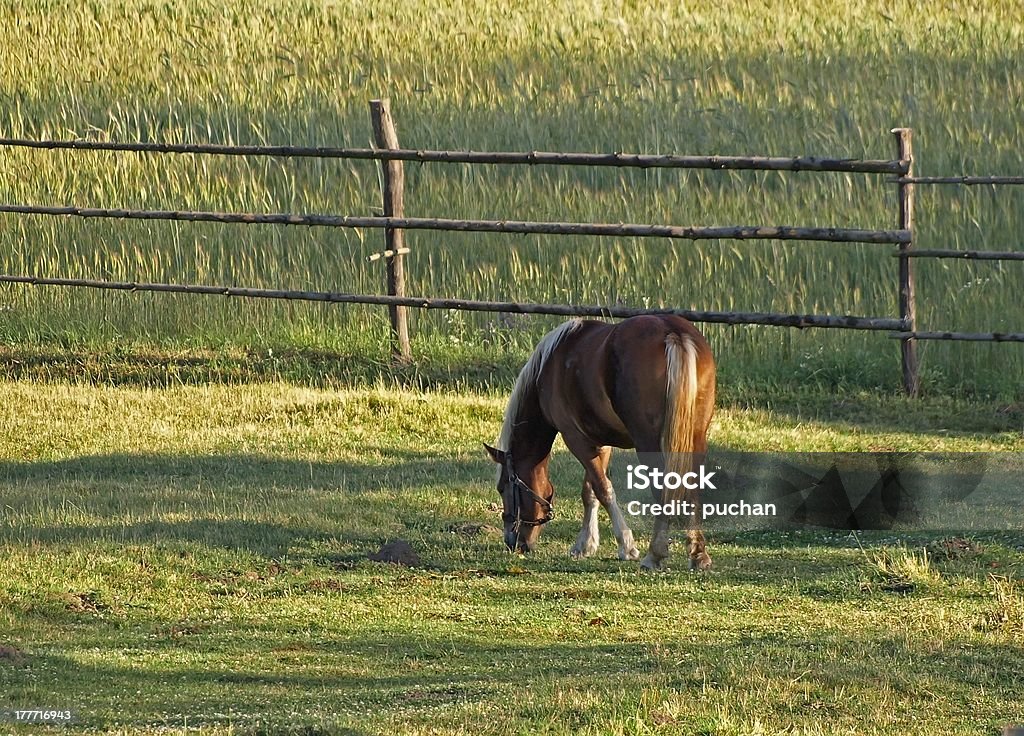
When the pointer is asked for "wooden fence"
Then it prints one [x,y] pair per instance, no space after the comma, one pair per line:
[391,157]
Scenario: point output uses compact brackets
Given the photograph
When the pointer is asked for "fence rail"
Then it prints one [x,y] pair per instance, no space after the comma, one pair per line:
[965,255]
[773,319]
[530,158]
[961,336]
[964,180]
[392,157]
[752,232]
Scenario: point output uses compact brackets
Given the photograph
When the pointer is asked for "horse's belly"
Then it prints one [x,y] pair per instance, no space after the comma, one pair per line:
[599,424]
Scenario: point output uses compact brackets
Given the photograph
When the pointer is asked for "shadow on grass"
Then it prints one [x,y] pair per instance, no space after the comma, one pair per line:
[253,503]
[349,681]
[481,370]
[335,513]
[471,369]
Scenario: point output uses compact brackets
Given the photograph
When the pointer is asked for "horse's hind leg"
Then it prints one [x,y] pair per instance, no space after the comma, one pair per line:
[657,553]
[590,536]
[699,557]
[659,549]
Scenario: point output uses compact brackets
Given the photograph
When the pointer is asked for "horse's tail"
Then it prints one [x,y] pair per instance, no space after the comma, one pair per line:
[680,405]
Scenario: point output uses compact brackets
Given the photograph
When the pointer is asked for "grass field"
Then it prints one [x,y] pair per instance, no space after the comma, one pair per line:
[736,78]
[194,558]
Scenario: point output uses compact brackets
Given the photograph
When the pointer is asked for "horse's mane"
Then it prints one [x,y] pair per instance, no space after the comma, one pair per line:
[527,377]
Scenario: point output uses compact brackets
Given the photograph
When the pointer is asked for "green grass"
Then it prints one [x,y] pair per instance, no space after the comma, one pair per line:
[193,557]
[736,78]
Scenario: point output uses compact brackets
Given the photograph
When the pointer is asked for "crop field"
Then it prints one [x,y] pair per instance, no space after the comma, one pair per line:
[738,78]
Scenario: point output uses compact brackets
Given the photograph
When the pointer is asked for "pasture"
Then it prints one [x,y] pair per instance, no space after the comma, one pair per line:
[187,557]
[738,78]
[190,487]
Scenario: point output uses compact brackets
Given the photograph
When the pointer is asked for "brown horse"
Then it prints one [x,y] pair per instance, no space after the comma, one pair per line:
[647,382]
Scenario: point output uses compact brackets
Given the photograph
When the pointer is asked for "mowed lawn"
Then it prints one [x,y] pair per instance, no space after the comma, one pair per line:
[195,557]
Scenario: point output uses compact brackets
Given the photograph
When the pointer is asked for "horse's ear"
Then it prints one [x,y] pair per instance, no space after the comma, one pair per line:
[496,455]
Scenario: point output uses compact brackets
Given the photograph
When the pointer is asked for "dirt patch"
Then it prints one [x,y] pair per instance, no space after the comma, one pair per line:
[953,548]
[470,529]
[88,602]
[398,552]
[10,654]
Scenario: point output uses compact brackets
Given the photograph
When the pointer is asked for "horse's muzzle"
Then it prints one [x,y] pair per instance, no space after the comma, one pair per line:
[516,542]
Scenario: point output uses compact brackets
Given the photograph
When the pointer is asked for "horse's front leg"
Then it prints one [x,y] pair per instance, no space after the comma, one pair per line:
[627,545]
[595,462]
[590,536]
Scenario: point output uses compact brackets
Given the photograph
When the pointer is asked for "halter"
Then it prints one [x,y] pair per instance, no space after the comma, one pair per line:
[518,486]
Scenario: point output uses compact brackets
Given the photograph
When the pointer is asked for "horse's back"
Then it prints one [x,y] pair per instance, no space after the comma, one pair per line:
[609,381]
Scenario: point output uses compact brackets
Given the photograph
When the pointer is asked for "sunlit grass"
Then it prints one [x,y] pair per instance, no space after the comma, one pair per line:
[195,557]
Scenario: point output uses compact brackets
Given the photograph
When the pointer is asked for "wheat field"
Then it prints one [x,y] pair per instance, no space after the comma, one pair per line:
[741,78]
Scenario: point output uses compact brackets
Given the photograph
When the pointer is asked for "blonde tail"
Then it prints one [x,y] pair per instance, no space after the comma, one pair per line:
[680,404]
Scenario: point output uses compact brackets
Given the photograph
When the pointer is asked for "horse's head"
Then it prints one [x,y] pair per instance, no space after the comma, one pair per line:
[527,498]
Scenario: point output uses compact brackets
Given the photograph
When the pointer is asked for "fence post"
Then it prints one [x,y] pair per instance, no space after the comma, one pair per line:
[908,308]
[385,136]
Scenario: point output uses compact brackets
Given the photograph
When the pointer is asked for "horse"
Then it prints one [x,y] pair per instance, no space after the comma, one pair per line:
[647,382]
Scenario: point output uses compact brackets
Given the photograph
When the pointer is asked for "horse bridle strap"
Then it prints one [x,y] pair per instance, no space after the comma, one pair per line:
[518,486]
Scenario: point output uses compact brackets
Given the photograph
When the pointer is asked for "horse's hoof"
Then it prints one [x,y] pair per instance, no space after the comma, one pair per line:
[580,553]
[632,554]
[700,563]
[650,564]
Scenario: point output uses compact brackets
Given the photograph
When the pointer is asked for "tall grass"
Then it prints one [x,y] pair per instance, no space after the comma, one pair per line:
[737,78]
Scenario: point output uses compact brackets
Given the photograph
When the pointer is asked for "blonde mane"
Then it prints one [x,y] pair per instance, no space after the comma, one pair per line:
[528,378]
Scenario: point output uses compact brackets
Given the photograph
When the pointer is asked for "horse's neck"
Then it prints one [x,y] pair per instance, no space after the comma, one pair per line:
[532,436]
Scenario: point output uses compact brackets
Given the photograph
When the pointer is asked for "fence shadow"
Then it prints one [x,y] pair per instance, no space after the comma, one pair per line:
[477,369]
